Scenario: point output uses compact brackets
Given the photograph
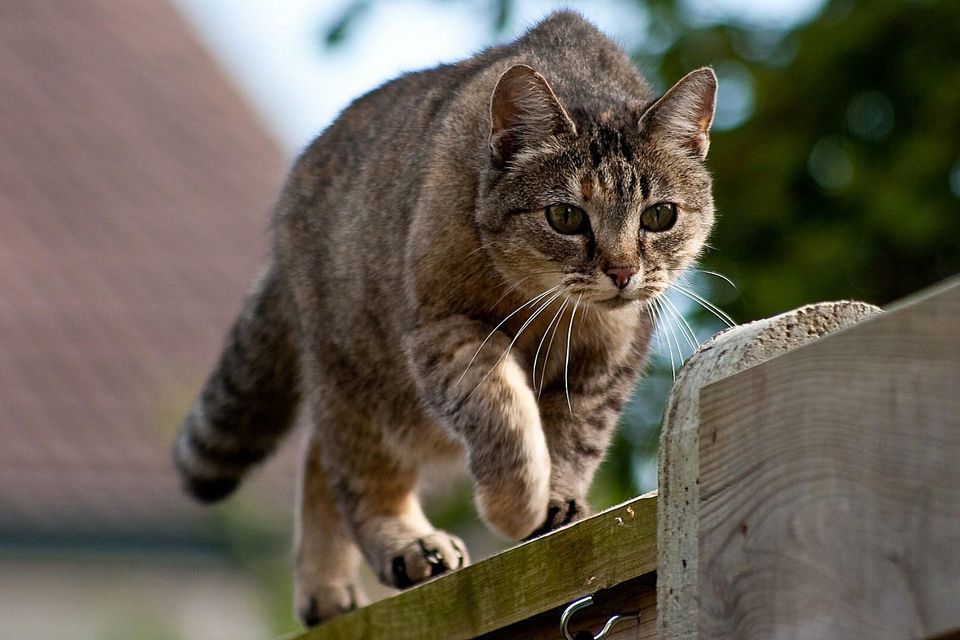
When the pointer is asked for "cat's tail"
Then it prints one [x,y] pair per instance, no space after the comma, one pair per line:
[249,401]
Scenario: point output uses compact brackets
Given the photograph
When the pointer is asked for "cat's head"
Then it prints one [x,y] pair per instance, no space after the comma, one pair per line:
[611,205]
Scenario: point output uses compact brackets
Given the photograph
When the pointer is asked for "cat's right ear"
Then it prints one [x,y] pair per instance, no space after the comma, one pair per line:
[524,111]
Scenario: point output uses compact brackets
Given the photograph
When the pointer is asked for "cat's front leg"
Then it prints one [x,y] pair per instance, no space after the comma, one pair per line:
[579,421]
[470,382]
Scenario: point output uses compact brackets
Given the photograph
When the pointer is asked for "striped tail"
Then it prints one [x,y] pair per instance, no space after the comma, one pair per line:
[249,401]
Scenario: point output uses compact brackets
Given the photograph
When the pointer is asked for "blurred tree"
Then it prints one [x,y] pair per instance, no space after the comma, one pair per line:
[836,156]
[839,184]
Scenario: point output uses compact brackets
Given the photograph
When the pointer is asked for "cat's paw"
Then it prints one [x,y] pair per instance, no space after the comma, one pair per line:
[561,513]
[512,513]
[424,557]
[320,603]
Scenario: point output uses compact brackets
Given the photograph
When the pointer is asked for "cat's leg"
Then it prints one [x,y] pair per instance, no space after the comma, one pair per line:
[579,421]
[484,398]
[375,483]
[326,558]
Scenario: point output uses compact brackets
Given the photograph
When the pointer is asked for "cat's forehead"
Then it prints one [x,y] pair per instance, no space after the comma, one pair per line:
[613,160]
[607,159]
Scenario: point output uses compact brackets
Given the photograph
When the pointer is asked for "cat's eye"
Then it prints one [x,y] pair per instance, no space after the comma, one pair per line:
[567,219]
[659,217]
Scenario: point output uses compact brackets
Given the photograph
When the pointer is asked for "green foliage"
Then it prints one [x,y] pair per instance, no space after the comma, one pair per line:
[838,186]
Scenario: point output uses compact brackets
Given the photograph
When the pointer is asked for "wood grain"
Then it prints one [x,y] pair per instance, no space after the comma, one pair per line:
[535,577]
[638,594]
[679,504]
[830,485]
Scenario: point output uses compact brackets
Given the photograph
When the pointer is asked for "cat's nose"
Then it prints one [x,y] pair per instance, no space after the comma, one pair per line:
[621,275]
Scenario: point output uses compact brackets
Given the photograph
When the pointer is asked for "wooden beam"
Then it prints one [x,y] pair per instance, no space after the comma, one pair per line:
[830,485]
[637,594]
[607,549]
[679,509]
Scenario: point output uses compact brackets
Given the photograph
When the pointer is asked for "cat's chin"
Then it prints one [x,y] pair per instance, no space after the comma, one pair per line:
[616,302]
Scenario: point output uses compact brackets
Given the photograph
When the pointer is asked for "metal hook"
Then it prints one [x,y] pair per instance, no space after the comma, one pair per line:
[583,603]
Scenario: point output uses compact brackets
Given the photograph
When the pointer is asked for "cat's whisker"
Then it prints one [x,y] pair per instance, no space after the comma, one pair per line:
[672,326]
[513,287]
[546,358]
[536,356]
[706,304]
[566,364]
[685,327]
[662,326]
[523,327]
[528,303]
[716,275]
[481,248]
[654,324]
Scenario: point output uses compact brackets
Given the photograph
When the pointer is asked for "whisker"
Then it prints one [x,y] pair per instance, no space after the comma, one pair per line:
[716,275]
[673,333]
[546,358]
[684,275]
[706,304]
[481,248]
[536,356]
[516,284]
[662,326]
[685,328]
[566,364]
[506,352]
[532,301]
[653,323]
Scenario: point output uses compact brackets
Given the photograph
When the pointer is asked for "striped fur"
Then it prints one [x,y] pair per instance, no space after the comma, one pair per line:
[247,404]
[425,307]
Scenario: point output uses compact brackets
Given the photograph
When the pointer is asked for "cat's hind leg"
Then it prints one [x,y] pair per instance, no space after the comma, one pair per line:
[375,483]
[326,559]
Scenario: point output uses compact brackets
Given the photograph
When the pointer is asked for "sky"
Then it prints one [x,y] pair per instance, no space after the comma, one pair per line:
[274,50]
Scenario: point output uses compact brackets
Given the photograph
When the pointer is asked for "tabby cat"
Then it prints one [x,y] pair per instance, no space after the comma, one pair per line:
[462,265]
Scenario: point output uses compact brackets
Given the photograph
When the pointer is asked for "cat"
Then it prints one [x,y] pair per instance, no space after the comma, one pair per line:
[462,265]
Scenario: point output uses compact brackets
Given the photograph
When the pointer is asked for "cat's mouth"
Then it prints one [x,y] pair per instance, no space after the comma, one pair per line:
[623,298]
[615,302]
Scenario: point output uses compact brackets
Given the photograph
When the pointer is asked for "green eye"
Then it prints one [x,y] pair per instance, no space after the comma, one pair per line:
[567,219]
[659,217]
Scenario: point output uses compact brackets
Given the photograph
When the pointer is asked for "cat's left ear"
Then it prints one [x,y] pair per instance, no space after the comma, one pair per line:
[524,111]
[685,112]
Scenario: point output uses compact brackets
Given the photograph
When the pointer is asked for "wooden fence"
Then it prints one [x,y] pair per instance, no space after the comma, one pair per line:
[809,489]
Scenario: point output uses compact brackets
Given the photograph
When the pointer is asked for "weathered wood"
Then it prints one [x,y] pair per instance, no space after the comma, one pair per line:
[679,505]
[594,554]
[830,485]
[638,594]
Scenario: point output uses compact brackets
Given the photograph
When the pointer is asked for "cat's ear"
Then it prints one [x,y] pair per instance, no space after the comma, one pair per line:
[524,111]
[685,112]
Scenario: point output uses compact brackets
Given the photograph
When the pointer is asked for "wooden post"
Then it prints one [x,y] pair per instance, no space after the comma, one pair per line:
[810,488]
[678,510]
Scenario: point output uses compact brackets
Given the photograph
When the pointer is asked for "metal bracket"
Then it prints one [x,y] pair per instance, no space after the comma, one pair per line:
[582,603]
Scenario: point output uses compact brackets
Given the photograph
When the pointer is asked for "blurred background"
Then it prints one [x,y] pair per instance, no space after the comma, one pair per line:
[143,142]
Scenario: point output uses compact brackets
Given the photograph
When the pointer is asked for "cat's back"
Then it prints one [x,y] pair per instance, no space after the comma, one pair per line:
[394,124]
[585,68]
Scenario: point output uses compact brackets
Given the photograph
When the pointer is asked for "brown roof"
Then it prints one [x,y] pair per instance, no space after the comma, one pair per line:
[135,186]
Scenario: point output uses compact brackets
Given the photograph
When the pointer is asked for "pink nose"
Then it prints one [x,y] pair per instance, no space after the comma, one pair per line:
[621,275]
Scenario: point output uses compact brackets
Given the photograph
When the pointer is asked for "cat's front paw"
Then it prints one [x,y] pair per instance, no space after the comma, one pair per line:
[319,603]
[560,513]
[510,511]
[424,557]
